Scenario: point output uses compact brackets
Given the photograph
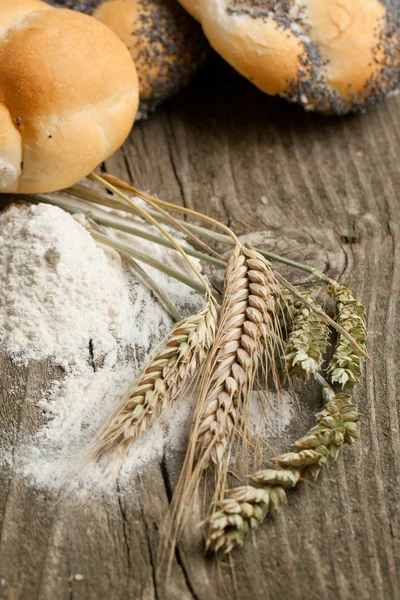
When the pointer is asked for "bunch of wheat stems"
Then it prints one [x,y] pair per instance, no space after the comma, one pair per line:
[262,329]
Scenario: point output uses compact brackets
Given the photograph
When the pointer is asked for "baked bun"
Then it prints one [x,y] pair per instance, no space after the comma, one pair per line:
[68,96]
[166,44]
[332,56]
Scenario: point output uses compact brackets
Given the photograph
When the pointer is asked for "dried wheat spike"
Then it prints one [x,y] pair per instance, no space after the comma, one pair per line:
[244,332]
[246,507]
[346,365]
[166,375]
[308,340]
[248,331]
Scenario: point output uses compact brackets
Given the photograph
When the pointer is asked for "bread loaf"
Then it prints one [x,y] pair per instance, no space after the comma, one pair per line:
[332,56]
[68,96]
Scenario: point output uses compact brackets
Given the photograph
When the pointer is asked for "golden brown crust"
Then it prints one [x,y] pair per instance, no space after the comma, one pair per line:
[252,49]
[12,12]
[166,44]
[331,55]
[68,88]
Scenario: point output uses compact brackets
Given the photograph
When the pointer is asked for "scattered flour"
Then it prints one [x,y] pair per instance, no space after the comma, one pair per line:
[279,415]
[75,408]
[66,299]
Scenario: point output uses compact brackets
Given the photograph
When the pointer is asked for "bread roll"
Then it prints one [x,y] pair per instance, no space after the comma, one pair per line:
[166,44]
[68,96]
[333,56]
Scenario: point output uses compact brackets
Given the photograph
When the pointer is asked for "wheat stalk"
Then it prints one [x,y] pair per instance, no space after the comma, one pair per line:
[166,375]
[245,508]
[228,238]
[346,365]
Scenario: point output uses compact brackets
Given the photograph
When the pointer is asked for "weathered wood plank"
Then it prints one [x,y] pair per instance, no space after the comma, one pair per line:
[325,190]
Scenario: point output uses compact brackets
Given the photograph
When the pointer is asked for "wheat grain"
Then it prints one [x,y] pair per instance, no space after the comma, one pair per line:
[166,375]
[245,508]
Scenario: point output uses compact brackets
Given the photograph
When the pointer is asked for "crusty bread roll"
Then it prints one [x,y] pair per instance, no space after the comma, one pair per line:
[333,56]
[68,96]
[166,44]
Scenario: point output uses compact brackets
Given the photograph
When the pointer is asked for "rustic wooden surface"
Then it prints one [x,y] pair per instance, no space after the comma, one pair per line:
[324,190]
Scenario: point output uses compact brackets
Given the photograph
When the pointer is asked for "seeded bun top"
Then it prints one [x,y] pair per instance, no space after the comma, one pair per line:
[165,42]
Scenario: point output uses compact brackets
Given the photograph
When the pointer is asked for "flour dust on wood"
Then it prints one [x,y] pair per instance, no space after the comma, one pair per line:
[68,300]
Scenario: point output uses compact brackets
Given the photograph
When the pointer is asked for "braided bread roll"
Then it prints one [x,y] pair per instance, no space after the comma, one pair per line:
[332,56]
[68,96]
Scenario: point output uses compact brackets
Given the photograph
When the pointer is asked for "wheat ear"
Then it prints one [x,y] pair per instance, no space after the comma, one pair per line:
[246,331]
[245,508]
[308,339]
[164,378]
[244,334]
[346,365]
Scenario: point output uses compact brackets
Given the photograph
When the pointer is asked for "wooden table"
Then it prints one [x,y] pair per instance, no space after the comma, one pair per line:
[325,191]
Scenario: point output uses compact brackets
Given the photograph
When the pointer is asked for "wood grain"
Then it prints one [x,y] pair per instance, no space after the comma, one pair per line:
[324,190]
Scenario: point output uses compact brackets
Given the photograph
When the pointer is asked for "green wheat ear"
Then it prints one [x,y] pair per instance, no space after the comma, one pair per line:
[346,365]
[244,508]
[308,339]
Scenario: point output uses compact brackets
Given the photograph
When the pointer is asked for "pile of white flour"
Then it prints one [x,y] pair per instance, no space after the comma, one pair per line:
[59,291]
[65,299]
